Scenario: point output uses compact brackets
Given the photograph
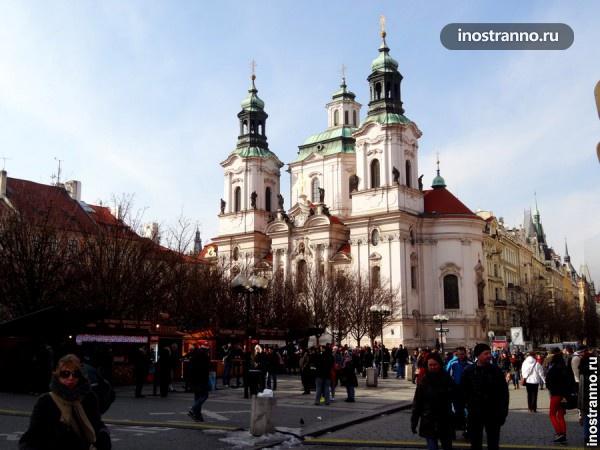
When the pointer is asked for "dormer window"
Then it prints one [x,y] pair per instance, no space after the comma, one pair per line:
[336,118]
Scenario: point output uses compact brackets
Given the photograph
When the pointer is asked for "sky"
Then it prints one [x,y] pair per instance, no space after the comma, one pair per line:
[141,97]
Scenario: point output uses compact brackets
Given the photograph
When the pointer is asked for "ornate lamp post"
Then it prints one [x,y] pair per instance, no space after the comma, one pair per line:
[379,312]
[248,285]
[242,284]
[441,318]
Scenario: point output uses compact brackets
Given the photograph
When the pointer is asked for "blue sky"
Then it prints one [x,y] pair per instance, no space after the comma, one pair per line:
[142,97]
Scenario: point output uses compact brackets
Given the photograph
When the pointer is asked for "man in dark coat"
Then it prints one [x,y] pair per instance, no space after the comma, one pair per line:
[485,394]
[401,357]
[164,367]
[199,368]
[141,365]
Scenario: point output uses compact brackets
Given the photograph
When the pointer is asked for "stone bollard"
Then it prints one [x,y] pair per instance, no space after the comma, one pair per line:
[371,377]
[262,409]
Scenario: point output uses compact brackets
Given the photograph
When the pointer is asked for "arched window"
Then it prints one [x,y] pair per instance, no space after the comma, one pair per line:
[375,277]
[260,128]
[237,199]
[451,300]
[375,237]
[345,117]
[301,275]
[354,118]
[236,254]
[245,127]
[396,91]
[268,199]
[377,91]
[252,127]
[408,174]
[314,189]
[336,118]
[375,173]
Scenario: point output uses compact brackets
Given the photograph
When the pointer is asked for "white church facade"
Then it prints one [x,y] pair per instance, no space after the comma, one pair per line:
[357,204]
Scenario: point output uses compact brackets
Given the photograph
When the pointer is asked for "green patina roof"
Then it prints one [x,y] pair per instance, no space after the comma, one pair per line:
[253,102]
[384,62]
[247,152]
[438,182]
[387,119]
[327,143]
[343,91]
[333,133]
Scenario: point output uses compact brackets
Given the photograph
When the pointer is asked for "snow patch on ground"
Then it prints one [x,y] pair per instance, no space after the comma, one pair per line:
[243,439]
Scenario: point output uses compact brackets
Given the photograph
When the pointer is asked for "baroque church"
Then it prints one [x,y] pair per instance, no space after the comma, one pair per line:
[357,204]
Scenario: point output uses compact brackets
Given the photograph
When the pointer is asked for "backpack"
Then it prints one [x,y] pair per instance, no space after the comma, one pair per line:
[104,392]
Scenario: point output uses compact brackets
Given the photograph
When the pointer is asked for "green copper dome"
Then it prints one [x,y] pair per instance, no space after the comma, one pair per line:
[253,102]
[438,182]
[343,92]
[384,62]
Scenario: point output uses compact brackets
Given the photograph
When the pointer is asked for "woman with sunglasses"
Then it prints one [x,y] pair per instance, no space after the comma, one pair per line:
[67,417]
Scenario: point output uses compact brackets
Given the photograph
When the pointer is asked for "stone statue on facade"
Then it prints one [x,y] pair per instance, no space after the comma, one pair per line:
[223,203]
[421,183]
[253,199]
[321,195]
[280,201]
[354,182]
[396,174]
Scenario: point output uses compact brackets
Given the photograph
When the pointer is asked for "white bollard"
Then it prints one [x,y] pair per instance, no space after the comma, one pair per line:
[371,377]
[262,409]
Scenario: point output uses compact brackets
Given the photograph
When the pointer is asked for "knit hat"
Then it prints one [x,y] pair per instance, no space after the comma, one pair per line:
[480,348]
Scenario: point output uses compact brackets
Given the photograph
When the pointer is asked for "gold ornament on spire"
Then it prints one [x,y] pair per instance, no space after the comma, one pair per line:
[382,25]
[253,69]
[343,72]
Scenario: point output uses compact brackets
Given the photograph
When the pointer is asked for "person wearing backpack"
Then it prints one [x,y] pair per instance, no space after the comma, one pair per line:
[532,375]
[561,385]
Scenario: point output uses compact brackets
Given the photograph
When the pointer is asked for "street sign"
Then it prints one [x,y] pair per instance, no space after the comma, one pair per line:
[442,330]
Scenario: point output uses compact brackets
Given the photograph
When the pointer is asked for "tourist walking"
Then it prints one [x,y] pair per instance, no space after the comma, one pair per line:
[401,357]
[348,376]
[67,417]
[432,405]
[532,375]
[324,364]
[485,394]
[199,368]
[141,366]
[561,385]
[455,368]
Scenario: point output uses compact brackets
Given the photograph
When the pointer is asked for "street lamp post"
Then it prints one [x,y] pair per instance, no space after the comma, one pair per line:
[441,318]
[247,286]
[380,311]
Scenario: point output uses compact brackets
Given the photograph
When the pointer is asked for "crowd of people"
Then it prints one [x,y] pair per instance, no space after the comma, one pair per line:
[466,390]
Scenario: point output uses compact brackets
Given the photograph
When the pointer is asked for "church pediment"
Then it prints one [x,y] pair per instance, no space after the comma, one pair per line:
[374,257]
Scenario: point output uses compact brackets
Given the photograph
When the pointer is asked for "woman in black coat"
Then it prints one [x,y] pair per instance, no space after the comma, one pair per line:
[67,417]
[432,405]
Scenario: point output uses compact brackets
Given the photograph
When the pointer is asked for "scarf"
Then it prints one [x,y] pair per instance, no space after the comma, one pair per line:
[71,410]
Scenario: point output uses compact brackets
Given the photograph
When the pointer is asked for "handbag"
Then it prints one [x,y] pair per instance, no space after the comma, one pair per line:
[524,379]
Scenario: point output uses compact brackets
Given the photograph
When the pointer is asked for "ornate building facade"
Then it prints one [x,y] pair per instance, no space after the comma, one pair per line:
[357,205]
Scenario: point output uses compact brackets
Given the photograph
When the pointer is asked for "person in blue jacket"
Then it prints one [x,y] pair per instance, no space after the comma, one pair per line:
[455,369]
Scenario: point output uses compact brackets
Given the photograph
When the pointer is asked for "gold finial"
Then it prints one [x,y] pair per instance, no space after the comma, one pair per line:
[382,25]
[253,68]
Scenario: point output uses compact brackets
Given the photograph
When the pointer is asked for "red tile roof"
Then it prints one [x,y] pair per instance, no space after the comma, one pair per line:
[441,202]
[52,205]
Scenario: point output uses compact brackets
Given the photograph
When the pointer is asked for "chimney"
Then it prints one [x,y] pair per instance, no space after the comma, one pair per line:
[3,178]
[73,187]
[151,232]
